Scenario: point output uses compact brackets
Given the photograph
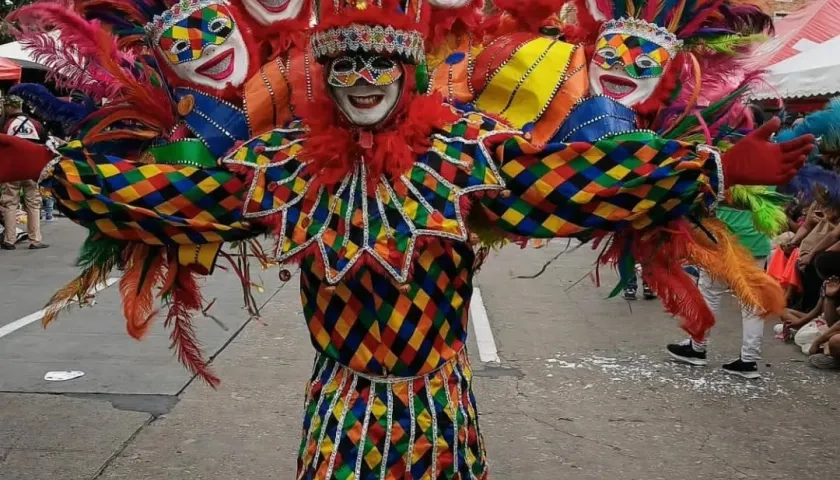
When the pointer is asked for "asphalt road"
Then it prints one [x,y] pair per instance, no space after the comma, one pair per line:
[581,390]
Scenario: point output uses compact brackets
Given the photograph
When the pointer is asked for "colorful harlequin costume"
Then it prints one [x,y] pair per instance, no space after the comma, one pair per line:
[382,194]
[670,67]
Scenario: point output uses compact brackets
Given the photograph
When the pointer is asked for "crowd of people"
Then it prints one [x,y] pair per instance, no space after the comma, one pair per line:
[806,262]
[37,206]
[805,259]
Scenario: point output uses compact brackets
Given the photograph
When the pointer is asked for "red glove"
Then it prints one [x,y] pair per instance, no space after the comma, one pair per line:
[21,159]
[755,160]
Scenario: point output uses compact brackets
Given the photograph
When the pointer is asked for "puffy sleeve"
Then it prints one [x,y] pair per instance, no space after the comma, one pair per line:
[635,181]
[646,200]
[150,203]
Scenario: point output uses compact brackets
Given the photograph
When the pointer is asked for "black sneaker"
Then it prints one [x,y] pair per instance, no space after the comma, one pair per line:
[7,246]
[647,293]
[684,352]
[742,368]
[38,246]
[629,293]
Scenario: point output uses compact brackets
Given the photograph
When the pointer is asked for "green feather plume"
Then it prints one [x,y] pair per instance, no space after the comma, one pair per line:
[100,251]
[709,114]
[727,44]
[766,205]
[421,77]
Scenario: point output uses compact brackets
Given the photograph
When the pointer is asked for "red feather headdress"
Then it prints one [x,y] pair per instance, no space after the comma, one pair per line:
[444,21]
[279,37]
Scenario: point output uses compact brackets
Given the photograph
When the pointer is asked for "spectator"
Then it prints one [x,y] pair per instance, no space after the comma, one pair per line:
[21,125]
[48,206]
[633,286]
[740,223]
[782,265]
[825,350]
[822,234]
[757,113]
[810,238]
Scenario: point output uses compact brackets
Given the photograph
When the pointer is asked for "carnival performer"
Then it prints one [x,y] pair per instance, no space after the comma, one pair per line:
[455,33]
[381,194]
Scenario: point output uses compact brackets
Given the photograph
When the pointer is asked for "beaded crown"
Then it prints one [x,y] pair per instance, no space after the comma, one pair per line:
[176,13]
[389,27]
[680,24]
[644,29]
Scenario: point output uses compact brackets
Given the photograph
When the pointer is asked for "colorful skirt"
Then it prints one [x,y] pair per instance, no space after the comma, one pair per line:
[362,427]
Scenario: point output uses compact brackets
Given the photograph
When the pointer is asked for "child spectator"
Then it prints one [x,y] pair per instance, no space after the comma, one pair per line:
[825,350]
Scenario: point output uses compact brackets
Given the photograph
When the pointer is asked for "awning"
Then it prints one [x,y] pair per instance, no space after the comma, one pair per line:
[9,70]
[16,52]
[815,72]
[816,23]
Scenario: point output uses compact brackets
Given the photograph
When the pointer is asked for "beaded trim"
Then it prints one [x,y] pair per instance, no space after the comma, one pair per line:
[175,14]
[644,29]
[356,182]
[527,74]
[409,44]
[720,195]
[48,169]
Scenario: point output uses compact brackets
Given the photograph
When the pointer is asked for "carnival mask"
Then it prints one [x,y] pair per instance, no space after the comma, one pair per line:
[627,68]
[206,48]
[269,11]
[366,87]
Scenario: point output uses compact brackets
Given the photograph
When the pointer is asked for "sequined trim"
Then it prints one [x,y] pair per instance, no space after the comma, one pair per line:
[426,200]
[49,168]
[720,195]
[644,29]
[374,39]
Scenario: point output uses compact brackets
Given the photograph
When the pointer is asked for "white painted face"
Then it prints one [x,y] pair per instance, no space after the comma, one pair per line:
[616,84]
[206,49]
[627,68]
[269,11]
[449,3]
[365,87]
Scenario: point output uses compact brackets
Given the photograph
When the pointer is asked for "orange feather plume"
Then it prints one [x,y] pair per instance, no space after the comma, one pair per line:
[144,271]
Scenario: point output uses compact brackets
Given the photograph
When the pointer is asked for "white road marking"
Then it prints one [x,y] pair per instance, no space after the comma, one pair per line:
[34,317]
[483,333]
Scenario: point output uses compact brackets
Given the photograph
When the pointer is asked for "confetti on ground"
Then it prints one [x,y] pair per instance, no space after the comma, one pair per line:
[663,373]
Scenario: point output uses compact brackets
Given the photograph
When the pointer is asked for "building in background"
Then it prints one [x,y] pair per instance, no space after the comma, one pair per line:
[781,8]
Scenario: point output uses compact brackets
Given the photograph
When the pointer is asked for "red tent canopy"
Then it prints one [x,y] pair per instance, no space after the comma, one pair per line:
[9,70]
[818,22]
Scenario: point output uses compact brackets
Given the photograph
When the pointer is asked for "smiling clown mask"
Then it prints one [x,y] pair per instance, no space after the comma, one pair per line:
[267,12]
[630,59]
[203,44]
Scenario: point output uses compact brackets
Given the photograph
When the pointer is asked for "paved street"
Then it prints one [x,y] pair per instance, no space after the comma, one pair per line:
[581,390]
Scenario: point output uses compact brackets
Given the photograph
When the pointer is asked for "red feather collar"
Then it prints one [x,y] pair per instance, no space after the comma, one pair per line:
[334,145]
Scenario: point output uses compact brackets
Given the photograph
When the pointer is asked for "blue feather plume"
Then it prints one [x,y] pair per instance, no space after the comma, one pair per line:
[50,107]
[824,125]
[809,179]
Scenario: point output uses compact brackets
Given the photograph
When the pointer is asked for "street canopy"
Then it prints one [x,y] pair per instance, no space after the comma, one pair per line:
[812,73]
[9,70]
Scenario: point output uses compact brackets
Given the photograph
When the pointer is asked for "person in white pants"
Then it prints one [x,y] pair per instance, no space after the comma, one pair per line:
[690,351]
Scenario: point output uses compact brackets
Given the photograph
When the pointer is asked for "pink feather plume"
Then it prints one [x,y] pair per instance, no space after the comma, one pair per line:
[47,29]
